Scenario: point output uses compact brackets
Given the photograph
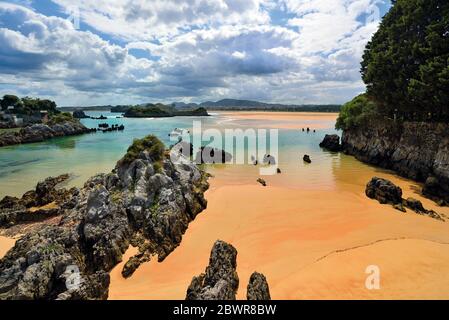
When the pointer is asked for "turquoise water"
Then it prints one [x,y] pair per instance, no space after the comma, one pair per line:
[22,166]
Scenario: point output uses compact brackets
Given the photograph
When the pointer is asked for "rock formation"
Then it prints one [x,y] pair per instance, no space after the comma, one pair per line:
[386,192]
[79,114]
[146,201]
[331,143]
[221,282]
[416,150]
[41,132]
[258,287]
[34,206]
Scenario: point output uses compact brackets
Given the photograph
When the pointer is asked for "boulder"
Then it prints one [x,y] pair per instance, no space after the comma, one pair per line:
[307,159]
[331,143]
[384,191]
[262,182]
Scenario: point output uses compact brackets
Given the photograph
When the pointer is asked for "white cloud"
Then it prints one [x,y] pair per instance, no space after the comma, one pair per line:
[195,50]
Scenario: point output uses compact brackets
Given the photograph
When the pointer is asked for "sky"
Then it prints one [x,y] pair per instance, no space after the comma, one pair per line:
[110,52]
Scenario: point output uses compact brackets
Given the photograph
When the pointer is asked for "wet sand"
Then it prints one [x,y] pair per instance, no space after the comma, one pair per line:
[310,244]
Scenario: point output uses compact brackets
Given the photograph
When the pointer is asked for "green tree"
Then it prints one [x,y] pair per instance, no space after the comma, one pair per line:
[9,100]
[356,112]
[406,64]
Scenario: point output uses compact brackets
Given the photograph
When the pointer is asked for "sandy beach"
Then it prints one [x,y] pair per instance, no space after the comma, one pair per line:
[311,231]
[309,244]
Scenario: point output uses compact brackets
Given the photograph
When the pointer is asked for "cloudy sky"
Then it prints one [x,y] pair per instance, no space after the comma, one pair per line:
[133,51]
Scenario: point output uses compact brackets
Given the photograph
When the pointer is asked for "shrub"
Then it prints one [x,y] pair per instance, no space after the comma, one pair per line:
[61,118]
[150,143]
[356,112]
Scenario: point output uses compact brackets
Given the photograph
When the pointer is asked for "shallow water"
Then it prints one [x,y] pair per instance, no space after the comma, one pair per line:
[22,166]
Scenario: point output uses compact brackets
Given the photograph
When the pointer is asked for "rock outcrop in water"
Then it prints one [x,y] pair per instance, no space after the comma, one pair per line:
[79,114]
[415,150]
[387,192]
[220,280]
[331,142]
[42,132]
[146,201]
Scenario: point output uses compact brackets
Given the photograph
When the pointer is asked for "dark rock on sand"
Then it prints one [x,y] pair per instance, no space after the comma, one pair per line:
[386,192]
[220,281]
[258,287]
[262,182]
[147,201]
[331,143]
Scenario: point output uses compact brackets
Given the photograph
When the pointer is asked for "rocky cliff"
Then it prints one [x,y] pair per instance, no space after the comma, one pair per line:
[419,151]
[41,132]
[147,201]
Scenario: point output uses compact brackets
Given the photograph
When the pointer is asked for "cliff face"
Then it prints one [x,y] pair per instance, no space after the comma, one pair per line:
[419,151]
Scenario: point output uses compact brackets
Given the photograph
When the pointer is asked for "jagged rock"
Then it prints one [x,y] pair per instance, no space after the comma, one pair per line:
[133,204]
[415,150]
[41,132]
[15,211]
[220,281]
[331,143]
[384,191]
[262,182]
[258,287]
[307,159]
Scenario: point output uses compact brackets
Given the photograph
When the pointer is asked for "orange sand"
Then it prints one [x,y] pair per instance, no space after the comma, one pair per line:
[310,244]
[5,245]
[283,120]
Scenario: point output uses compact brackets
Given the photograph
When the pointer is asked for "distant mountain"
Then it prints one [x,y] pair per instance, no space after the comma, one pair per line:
[224,104]
[241,105]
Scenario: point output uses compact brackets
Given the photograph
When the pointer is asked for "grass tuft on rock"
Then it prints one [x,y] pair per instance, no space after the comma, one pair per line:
[150,143]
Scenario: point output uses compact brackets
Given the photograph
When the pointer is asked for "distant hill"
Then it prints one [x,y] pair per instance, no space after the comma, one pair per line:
[242,105]
[162,112]
[225,104]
